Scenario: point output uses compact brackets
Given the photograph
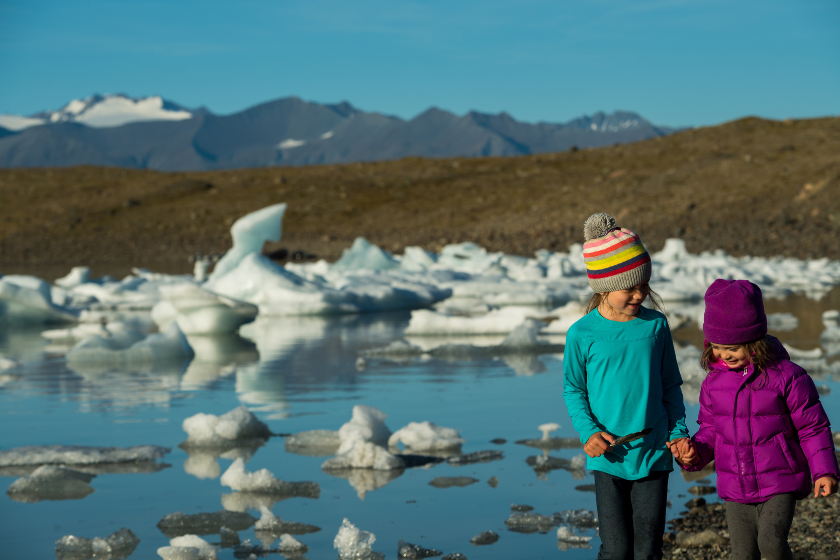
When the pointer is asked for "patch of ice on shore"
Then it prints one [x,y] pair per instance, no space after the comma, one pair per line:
[262,481]
[425,436]
[355,544]
[235,428]
[79,455]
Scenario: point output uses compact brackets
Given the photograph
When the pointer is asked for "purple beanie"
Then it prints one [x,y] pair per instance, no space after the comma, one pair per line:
[734,312]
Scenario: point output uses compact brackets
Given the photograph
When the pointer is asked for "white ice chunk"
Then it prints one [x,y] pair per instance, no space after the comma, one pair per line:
[497,321]
[237,426]
[367,424]
[425,437]
[50,482]
[363,455]
[249,234]
[200,312]
[206,551]
[781,321]
[566,535]
[290,544]
[365,255]
[547,429]
[237,478]
[562,318]
[353,543]
[119,544]
[524,336]
[28,300]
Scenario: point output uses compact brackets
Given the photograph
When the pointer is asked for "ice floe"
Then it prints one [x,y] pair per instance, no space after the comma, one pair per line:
[29,300]
[415,552]
[367,424]
[105,353]
[363,455]
[238,428]
[79,455]
[118,545]
[179,524]
[51,482]
[264,482]
[183,547]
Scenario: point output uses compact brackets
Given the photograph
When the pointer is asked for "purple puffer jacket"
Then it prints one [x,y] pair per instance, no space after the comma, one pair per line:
[764,438]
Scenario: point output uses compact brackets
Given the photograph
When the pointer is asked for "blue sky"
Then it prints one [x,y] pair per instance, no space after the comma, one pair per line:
[676,62]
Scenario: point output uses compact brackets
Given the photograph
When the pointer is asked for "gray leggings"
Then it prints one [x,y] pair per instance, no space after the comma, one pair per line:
[762,529]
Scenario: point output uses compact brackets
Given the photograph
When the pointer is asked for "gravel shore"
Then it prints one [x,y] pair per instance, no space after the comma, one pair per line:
[701,531]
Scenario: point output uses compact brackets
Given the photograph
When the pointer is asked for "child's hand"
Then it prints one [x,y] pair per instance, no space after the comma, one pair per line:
[688,452]
[598,444]
[826,485]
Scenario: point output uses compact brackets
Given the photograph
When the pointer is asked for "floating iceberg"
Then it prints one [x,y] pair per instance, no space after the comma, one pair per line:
[367,424]
[202,462]
[118,545]
[249,234]
[423,437]
[262,481]
[237,428]
[363,255]
[200,312]
[50,482]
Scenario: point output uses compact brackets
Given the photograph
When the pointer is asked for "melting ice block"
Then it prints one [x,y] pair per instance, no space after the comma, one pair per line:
[237,428]
[119,544]
[249,234]
[425,437]
[200,312]
[28,300]
[262,481]
[290,544]
[79,455]
[354,544]
[50,482]
[367,424]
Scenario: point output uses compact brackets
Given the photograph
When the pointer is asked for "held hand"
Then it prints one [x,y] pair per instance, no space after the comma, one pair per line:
[598,444]
[826,486]
[688,452]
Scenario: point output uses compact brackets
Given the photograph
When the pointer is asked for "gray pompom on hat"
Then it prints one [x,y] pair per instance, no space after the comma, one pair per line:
[615,257]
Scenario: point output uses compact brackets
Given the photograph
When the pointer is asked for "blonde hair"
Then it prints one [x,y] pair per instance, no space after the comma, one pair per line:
[761,353]
[596,299]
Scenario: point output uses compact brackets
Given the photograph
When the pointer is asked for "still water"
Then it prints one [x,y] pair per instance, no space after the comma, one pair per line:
[301,374]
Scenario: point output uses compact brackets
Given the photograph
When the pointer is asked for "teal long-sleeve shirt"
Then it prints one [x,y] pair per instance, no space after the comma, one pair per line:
[620,378]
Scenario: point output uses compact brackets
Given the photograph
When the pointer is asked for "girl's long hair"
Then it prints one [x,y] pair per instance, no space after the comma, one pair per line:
[762,352]
[596,299]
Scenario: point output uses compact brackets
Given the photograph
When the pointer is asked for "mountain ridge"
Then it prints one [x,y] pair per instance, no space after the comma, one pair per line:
[287,131]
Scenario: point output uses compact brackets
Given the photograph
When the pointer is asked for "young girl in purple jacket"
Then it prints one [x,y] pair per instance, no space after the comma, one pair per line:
[762,423]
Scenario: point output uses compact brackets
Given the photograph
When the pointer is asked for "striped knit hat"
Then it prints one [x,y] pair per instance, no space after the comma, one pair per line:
[615,257]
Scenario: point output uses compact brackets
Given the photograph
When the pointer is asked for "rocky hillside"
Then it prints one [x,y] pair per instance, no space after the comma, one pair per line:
[749,187]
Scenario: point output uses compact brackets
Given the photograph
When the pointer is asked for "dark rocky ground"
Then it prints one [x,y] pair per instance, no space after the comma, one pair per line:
[751,186]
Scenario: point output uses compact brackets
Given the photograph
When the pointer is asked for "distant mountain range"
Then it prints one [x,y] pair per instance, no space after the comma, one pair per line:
[153,133]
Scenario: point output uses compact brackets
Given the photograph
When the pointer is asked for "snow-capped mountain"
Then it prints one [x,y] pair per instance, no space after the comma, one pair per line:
[152,133]
[99,111]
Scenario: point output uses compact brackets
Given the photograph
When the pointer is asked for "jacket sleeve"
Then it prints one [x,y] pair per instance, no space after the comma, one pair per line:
[705,437]
[811,423]
[672,397]
[574,386]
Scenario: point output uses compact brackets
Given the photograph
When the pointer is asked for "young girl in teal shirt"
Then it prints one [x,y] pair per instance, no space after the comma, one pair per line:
[621,377]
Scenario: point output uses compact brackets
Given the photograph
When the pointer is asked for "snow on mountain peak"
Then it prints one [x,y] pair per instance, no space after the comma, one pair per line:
[100,111]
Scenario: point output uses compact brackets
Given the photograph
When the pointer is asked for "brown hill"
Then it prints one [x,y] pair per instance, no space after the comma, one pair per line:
[750,186]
